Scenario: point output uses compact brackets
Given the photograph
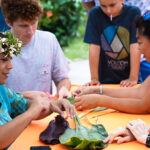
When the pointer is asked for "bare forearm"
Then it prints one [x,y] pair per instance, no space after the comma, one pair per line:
[133,92]
[128,105]
[11,130]
[64,83]
[94,52]
[134,61]
[119,92]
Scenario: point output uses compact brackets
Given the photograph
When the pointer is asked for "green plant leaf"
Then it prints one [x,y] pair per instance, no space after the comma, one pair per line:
[70,99]
[98,109]
[82,137]
[85,137]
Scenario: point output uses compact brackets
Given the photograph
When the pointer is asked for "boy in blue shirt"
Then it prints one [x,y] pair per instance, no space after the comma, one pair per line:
[113,53]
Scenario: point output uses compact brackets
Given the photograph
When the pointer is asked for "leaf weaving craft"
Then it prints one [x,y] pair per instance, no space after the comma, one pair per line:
[84,138]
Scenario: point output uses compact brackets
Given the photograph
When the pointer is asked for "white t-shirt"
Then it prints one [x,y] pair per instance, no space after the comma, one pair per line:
[40,62]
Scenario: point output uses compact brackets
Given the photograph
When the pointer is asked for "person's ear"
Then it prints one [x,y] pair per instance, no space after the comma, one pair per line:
[8,23]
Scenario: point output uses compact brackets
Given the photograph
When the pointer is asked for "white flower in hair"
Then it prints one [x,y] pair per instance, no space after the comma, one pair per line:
[9,45]
[19,44]
[12,48]
[3,39]
[2,50]
[12,54]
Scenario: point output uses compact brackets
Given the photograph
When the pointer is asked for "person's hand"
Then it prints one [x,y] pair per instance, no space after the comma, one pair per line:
[83,90]
[139,129]
[128,82]
[64,93]
[39,107]
[86,102]
[63,105]
[124,134]
[93,82]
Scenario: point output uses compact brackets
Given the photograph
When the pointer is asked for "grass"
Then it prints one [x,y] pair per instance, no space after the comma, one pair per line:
[77,49]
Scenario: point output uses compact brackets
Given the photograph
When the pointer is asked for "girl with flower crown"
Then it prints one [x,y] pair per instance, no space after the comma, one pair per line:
[17,110]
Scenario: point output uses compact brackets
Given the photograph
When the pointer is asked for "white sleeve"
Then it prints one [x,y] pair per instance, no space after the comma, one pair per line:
[60,67]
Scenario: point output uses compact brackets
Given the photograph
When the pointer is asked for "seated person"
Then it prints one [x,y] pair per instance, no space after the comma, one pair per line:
[111,35]
[129,100]
[137,129]
[16,111]
[42,60]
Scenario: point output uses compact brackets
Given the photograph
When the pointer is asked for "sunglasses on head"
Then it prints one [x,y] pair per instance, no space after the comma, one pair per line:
[147,16]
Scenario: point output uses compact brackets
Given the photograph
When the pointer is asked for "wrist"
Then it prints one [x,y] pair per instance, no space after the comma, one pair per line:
[94,79]
[95,90]
[133,77]
[147,141]
[29,115]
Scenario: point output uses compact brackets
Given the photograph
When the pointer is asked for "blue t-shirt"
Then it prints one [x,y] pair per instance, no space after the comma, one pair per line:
[3,25]
[114,38]
[11,105]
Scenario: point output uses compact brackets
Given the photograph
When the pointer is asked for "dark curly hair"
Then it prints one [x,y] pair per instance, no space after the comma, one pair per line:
[21,9]
[143,25]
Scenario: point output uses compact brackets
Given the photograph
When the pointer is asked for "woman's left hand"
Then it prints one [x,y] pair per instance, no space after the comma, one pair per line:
[88,101]
[139,129]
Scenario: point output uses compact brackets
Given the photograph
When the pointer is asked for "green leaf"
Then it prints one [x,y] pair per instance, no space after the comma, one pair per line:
[85,137]
[82,137]
[70,99]
[98,109]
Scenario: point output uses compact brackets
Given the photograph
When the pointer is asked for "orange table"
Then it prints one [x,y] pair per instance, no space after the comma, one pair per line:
[111,121]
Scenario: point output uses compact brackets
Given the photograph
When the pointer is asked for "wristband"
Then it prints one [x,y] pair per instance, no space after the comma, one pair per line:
[101,90]
[148,140]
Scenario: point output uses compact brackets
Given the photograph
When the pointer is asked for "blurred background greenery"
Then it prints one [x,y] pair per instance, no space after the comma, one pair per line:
[67,20]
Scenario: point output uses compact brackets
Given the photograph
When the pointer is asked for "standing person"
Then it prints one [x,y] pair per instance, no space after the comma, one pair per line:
[42,59]
[113,53]
[143,5]
[17,112]
[3,25]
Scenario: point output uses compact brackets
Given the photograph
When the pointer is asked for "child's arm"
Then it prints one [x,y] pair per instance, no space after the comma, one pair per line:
[94,53]
[134,66]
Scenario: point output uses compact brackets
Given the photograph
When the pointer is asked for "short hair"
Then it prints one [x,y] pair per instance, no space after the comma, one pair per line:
[27,10]
[143,25]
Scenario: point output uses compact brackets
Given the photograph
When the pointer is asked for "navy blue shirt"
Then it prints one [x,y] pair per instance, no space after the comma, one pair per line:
[114,38]
[3,25]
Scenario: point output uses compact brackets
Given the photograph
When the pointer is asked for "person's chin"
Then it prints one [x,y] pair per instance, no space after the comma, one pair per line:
[2,82]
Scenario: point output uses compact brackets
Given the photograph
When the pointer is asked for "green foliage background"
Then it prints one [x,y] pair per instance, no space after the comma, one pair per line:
[64,19]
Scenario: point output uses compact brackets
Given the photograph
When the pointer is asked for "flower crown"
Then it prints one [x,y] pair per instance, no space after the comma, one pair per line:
[9,45]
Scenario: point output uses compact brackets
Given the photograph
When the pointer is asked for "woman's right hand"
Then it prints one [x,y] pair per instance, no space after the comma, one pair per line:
[84,90]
